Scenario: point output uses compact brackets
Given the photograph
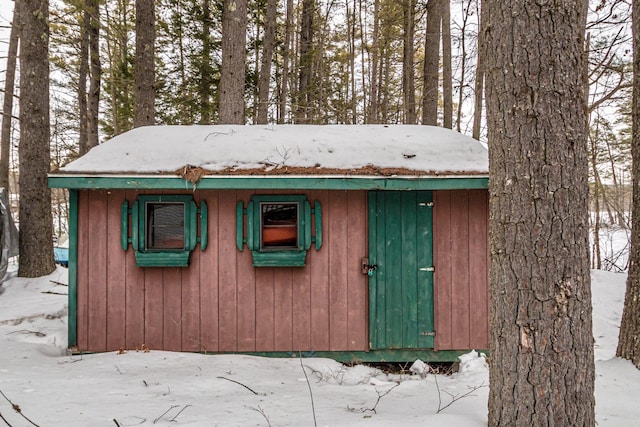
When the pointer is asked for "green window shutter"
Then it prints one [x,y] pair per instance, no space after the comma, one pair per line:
[239,225]
[305,225]
[135,243]
[124,225]
[204,225]
[253,226]
[191,225]
[317,211]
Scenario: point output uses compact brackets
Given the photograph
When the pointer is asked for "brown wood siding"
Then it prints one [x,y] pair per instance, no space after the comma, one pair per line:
[221,302]
[461,281]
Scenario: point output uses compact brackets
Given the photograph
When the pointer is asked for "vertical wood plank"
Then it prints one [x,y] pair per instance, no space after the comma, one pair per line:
[479,268]
[357,294]
[246,291]
[320,278]
[338,296]
[97,250]
[190,278]
[116,279]
[172,306]
[153,308]
[265,327]
[228,302]
[393,270]
[460,277]
[409,271]
[83,272]
[301,309]
[283,306]
[209,279]
[443,265]
[424,258]
[134,295]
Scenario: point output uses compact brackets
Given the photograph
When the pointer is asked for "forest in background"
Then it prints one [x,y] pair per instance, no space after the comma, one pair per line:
[314,61]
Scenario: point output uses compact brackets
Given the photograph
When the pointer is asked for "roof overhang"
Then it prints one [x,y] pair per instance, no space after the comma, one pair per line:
[289,182]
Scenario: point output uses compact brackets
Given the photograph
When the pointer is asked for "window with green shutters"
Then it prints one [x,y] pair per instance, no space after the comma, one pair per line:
[279,229]
[163,229]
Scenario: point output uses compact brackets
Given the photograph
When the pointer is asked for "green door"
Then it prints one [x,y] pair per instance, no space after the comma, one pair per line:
[401,285]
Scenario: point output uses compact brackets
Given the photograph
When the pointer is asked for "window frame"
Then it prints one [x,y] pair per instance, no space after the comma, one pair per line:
[163,257]
[273,256]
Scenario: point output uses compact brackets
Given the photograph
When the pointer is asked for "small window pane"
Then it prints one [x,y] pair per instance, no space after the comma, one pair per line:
[165,226]
[279,225]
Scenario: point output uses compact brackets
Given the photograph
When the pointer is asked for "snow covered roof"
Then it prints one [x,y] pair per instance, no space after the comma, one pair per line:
[378,150]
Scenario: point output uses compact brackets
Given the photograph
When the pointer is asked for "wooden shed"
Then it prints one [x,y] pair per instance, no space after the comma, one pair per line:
[352,242]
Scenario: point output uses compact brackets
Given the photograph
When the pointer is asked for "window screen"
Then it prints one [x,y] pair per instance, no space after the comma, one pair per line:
[165,225]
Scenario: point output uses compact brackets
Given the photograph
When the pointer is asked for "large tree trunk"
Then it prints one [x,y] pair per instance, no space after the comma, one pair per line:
[447,74]
[83,73]
[205,80]
[265,66]
[408,70]
[431,65]
[629,338]
[373,97]
[541,341]
[144,79]
[305,81]
[284,79]
[95,73]
[36,232]
[7,107]
[479,83]
[232,74]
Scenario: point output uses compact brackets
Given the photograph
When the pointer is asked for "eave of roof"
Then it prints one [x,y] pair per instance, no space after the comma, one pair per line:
[272,182]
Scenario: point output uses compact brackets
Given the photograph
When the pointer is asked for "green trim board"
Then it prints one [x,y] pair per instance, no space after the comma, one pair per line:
[403,355]
[270,182]
[72,325]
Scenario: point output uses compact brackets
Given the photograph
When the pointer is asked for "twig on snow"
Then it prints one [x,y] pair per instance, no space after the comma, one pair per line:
[58,283]
[117,423]
[179,412]
[313,406]
[261,412]
[380,396]
[455,397]
[239,383]
[5,421]
[17,409]
[165,413]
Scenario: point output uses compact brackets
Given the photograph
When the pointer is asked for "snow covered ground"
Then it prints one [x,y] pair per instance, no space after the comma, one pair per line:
[53,388]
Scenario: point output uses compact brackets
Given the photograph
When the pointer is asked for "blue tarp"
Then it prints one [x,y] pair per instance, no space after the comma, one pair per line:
[61,255]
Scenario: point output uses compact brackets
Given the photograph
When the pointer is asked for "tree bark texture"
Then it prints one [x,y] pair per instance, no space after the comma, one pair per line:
[408,70]
[629,338]
[431,65]
[36,233]
[305,95]
[95,73]
[541,342]
[264,77]
[479,83]
[83,74]
[232,73]
[144,78]
[447,73]
[7,107]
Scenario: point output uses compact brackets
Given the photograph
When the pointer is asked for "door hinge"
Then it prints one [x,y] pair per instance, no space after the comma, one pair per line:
[428,269]
[426,204]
